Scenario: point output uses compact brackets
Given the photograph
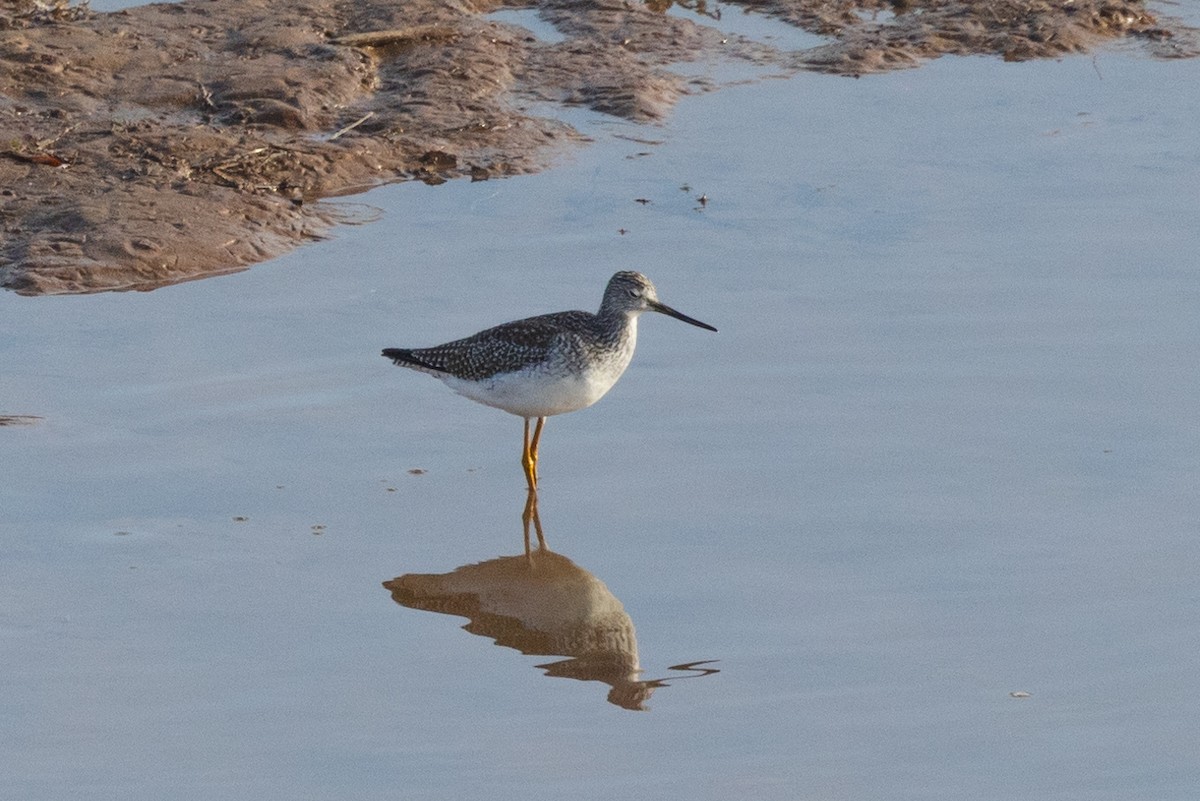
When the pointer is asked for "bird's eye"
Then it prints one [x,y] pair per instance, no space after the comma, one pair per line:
[633,293]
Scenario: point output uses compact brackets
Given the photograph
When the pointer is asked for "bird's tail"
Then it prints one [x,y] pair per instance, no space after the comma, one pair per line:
[406,358]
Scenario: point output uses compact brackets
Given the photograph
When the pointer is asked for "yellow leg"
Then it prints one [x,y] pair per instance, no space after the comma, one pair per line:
[529,455]
[533,451]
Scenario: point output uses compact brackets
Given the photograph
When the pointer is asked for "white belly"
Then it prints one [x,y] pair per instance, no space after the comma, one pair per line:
[549,389]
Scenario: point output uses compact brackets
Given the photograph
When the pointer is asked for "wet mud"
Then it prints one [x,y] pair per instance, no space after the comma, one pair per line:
[19,419]
[176,141]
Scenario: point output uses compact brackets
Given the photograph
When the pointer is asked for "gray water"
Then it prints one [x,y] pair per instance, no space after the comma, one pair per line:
[943,450]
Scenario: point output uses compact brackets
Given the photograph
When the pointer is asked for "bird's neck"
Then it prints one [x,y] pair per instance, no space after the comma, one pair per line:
[618,326]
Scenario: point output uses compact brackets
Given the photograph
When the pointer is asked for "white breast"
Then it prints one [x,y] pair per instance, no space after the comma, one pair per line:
[550,388]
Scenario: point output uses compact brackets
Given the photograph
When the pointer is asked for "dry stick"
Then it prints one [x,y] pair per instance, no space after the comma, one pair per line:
[353,125]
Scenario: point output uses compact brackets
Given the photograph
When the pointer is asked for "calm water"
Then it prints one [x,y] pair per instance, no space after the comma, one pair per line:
[943,449]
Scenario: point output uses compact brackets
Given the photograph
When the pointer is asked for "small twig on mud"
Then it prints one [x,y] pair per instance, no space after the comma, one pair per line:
[353,125]
[46,143]
[247,170]
[206,97]
[415,33]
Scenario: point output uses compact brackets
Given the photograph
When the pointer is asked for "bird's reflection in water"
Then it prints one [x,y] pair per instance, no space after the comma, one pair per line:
[542,603]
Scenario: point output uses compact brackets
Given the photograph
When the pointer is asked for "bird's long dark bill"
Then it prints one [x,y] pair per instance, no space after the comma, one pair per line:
[667,310]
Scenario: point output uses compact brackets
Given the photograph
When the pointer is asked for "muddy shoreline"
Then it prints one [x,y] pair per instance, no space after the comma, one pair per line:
[172,142]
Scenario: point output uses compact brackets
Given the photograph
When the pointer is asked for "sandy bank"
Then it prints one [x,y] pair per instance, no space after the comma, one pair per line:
[176,141]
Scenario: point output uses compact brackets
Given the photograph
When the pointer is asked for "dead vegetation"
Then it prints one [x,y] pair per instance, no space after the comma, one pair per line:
[23,13]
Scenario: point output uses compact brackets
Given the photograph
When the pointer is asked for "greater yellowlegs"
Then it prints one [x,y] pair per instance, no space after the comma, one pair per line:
[545,365]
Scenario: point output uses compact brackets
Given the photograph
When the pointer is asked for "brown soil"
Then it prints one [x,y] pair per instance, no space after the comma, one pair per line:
[176,141]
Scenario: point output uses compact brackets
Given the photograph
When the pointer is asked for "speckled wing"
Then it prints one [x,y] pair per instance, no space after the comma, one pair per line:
[506,348]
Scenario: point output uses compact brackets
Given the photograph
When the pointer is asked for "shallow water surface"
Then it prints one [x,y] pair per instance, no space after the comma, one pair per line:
[942,450]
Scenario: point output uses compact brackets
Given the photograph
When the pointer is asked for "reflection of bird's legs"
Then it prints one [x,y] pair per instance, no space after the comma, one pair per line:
[537,524]
[526,516]
[531,514]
